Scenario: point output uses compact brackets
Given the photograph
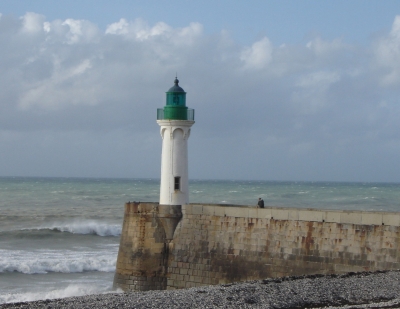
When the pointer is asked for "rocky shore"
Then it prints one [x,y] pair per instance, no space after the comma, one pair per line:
[352,290]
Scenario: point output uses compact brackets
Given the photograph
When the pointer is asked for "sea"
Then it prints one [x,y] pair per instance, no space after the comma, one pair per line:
[59,237]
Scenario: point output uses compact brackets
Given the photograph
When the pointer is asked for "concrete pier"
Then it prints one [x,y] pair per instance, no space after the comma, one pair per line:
[216,244]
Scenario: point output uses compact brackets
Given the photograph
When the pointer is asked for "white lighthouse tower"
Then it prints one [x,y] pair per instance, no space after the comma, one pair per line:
[175,120]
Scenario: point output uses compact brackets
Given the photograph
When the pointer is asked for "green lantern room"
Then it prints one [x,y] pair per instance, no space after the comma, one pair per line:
[175,108]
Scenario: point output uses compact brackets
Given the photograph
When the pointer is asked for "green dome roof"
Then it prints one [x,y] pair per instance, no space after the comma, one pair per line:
[175,107]
[176,87]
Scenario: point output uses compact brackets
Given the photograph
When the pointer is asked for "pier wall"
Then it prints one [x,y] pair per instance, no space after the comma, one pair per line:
[215,244]
[142,256]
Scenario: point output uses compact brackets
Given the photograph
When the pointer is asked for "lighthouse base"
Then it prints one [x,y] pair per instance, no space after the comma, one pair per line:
[169,215]
[147,231]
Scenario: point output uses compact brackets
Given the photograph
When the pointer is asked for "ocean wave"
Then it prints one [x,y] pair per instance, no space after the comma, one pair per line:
[70,291]
[42,262]
[86,227]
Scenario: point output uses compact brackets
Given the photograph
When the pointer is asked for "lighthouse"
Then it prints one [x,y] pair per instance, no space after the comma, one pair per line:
[175,121]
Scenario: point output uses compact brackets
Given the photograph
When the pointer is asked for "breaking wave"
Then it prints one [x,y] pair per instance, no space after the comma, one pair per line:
[86,227]
[70,291]
[41,262]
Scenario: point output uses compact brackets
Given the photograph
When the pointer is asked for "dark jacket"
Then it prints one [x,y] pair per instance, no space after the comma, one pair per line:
[261,203]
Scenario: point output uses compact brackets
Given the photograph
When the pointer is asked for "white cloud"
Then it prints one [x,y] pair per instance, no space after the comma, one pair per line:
[321,47]
[141,31]
[159,29]
[32,22]
[258,55]
[65,86]
[311,92]
[387,53]
[46,26]
[80,30]
[318,80]
[75,30]
[395,32]
[280,102]
[120,27]
[162,41]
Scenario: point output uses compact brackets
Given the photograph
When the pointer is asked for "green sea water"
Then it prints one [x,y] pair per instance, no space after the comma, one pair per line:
[59,237]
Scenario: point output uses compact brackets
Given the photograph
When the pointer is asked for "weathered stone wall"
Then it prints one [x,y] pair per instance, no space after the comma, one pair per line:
[215,244]
[142,256]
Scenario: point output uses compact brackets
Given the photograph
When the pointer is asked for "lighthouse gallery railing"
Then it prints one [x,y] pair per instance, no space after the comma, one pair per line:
[189,115]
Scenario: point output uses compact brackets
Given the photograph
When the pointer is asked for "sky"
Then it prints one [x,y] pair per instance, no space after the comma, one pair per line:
[283,90]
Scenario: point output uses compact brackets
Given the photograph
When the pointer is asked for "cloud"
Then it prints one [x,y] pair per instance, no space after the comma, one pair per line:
[139,30]
[312,90]
[318,80]
[32,22]
[387,53]
[120,27]
[80,30]
[51,93]
[260,108]
[71,31]
[321,47]
[258,55]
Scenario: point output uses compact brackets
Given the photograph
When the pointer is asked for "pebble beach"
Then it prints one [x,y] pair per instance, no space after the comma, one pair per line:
[352,290]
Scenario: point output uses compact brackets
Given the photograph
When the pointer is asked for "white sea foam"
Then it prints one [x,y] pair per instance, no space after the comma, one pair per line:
[67,261]
[69,291]
[86,227]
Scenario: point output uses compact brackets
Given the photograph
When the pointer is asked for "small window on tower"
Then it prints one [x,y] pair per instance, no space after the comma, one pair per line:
[177,185]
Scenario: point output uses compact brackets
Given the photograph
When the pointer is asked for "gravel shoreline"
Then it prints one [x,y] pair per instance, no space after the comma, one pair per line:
[352,290]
